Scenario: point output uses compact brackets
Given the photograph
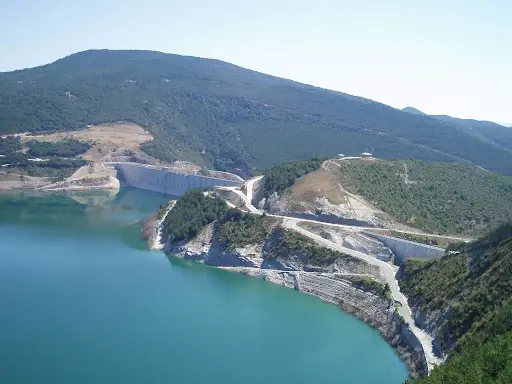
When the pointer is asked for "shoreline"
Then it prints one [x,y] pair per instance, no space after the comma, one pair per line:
[332,287]
[376,312]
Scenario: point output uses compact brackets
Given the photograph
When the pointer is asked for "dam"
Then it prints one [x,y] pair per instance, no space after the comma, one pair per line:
[405,249]
[165,180]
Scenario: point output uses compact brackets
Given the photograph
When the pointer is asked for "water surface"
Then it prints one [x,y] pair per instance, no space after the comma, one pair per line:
[83,301]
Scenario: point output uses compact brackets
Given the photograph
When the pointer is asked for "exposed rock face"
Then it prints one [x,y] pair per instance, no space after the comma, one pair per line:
[432,322]
[375,310]
[290,259]
[330,282]
[206,248]
[320,209]
[351,239]
[230,196]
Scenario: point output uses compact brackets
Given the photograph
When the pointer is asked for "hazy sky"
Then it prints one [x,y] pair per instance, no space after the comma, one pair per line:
[443,57]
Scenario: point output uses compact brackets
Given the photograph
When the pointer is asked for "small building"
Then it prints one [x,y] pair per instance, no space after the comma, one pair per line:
[366,154]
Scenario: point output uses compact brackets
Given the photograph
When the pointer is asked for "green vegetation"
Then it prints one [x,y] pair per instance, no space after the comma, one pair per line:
[441,242]
[192,212]
[497,134]
[9,145]
[369,284]
[18,162]
[470,297]
[238,229]
[64,148]
[479,364]
[162,209]
[282,176]
[416,238]
[217,114]
[57,167]
[435,197]
[317,254]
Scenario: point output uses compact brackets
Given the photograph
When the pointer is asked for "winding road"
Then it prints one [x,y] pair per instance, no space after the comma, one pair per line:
[388,271]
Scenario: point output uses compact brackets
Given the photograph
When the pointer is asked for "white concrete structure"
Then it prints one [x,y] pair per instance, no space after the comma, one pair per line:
[404,249]
[163,180]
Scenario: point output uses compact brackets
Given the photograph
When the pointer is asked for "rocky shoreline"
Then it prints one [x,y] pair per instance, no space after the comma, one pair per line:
[153,226]
[332,283]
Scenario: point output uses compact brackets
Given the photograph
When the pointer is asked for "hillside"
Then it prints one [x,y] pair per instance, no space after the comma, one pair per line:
[219,115]
[434,197]
[465,300]
[442,198]
[495,134]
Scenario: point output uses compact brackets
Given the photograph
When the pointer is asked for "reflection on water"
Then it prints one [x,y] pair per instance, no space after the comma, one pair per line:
[80,306]
[99,213]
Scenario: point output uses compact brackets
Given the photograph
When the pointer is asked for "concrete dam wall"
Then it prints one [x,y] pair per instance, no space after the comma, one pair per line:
[163,180]
[404,249]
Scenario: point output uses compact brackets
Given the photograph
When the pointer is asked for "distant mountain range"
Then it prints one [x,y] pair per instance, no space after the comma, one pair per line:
[219,115]
[495,134]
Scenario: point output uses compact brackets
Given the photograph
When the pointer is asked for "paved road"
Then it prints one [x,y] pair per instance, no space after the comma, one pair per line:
[388,271]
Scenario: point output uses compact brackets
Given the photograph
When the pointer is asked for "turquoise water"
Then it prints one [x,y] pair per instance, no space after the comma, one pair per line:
[82,301]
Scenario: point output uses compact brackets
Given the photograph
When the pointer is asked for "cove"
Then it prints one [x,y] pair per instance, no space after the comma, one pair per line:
[83,301]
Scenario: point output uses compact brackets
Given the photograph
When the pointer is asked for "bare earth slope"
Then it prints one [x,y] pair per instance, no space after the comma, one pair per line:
[437,198]
[321,196]
[115,139]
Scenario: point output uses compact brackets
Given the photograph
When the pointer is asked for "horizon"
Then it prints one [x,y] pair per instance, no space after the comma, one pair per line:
[389,54]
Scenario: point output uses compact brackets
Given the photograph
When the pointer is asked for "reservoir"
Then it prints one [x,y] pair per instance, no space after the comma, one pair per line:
[83,301]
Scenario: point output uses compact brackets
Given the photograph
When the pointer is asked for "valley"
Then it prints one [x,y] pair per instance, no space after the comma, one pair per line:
[274,180]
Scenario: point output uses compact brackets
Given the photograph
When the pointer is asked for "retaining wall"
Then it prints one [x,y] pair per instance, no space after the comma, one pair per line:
[404,249]
[162,180]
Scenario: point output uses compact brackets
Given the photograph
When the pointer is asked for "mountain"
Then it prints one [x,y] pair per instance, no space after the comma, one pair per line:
[219,115]
[495,134]
[413,111]
[465,301]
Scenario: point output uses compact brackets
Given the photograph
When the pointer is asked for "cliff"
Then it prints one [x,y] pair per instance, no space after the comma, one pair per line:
[351,283]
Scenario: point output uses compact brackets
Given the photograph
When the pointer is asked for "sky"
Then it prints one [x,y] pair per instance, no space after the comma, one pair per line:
[443,57]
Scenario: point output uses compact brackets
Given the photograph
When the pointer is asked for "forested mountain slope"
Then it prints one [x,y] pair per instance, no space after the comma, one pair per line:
[221,115]
[434,197]
[465,300]
[495,134]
